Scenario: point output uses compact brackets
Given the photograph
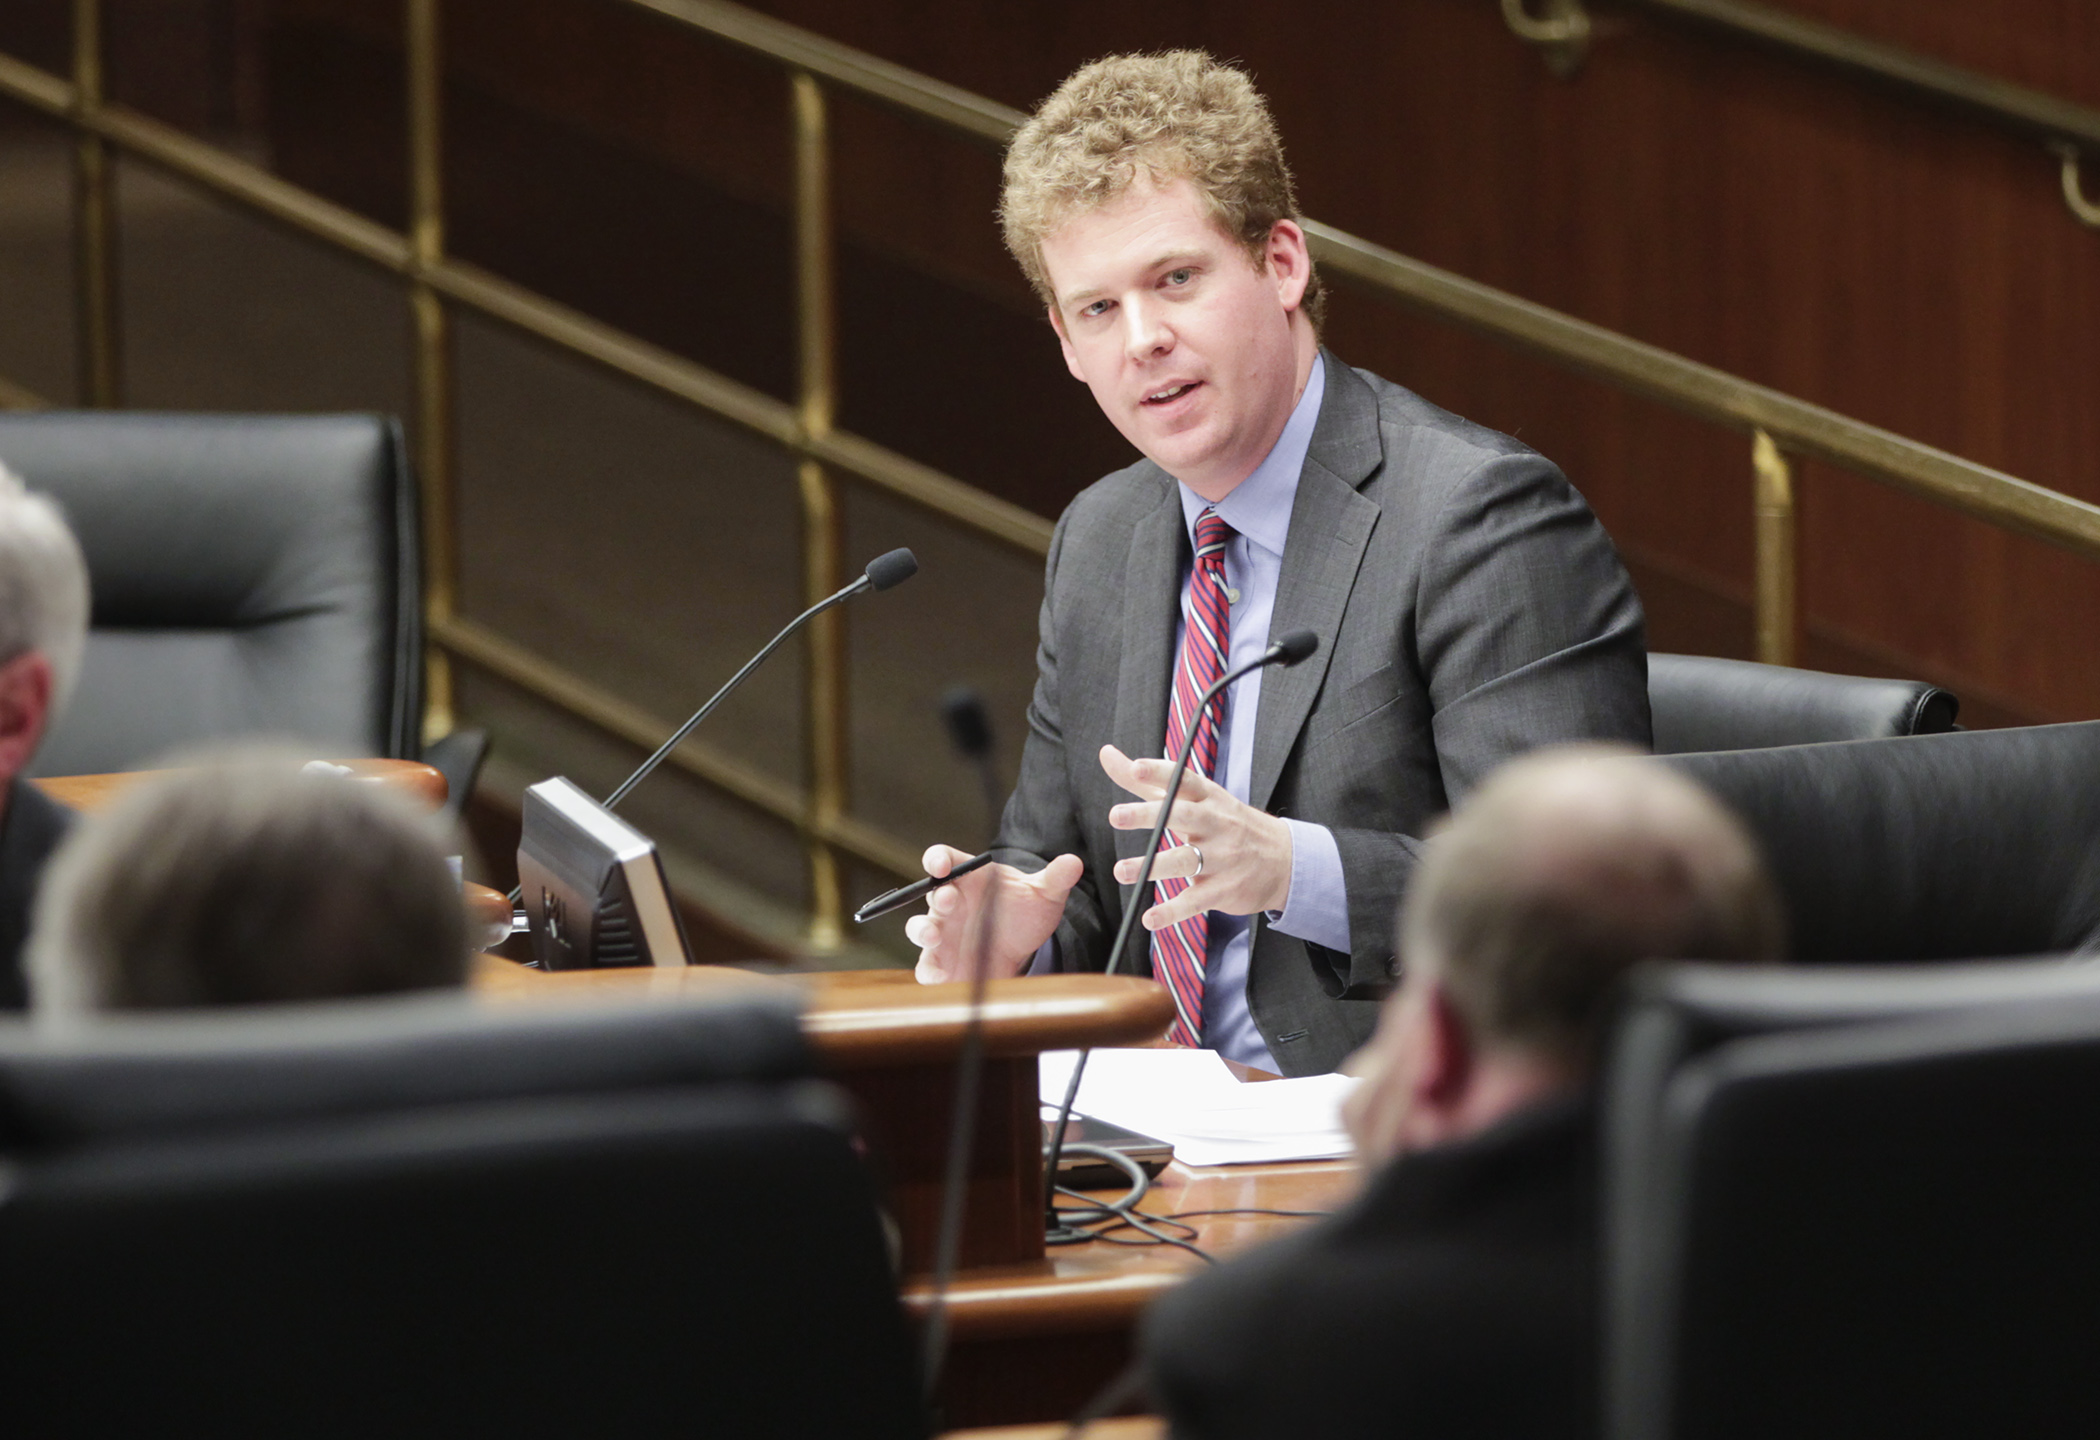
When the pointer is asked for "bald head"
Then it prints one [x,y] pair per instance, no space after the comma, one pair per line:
[1564,870]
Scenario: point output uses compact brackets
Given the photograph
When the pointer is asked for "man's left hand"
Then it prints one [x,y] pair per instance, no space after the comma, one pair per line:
[1245,853]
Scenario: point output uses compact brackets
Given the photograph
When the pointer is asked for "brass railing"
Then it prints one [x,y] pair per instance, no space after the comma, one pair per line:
[1777,425]
[1562,31]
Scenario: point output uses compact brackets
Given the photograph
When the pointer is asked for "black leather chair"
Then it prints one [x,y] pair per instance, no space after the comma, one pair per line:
[1855,1203]
[253,575]
[1702,703]
[417,1218]
[1926,847]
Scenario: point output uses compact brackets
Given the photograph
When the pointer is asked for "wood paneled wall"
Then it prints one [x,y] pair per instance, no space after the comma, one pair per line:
[1914,269]
[1909,267]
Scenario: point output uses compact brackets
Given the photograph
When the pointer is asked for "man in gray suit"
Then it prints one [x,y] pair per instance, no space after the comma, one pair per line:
[1468,605]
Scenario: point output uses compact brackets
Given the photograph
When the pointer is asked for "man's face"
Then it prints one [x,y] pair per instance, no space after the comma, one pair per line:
[25,706]
[1193,353]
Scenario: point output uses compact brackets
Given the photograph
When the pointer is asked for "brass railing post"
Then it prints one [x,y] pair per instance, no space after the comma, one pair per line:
[2084,209]
[826,652]
[1562,33]
[1778,619]
[100,360]
[433,348]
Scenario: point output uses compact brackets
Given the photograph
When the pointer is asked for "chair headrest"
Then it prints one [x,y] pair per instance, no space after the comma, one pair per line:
[1882,1226]
[1674,1013]
[203,1070]
[201,521]
[1704,703]
[1926,847]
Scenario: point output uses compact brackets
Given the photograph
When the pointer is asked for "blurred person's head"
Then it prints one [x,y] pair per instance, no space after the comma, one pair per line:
[242,881]
[43,619]
[1149,204]
[1564,871]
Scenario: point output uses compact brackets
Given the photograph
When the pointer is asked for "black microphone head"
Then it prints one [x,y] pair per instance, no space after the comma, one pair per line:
[969,727]
[892,569]
[1296,646]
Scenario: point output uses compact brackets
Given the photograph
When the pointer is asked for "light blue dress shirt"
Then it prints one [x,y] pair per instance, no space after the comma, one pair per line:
[1259,511]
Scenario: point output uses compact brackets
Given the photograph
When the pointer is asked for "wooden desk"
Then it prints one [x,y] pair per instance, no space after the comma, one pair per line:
[1035,1334]
[892,1044]
[1037,1341]
[91,792]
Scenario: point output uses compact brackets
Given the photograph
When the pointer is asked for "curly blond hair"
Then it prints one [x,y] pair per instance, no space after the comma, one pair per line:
[1178,115]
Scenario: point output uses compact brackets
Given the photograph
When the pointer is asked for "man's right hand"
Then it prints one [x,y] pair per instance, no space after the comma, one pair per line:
[1025,910]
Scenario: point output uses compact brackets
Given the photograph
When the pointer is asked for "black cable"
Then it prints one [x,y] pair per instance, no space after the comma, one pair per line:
[1140,1182]
[1145,1244]
[1059,1226]
[1115,1214]
[1138,1223]
[1117,1220]
[1094,1212]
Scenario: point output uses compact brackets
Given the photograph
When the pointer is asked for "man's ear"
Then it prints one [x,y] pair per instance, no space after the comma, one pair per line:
[1064,343]
[1448,1058]
[1289,256]
[25,705]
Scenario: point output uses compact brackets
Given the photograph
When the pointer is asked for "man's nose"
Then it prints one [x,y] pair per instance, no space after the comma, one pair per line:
[1145,330]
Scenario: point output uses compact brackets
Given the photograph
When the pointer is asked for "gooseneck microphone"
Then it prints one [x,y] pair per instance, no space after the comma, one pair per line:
[884,572]
[971,731]
[1290,650]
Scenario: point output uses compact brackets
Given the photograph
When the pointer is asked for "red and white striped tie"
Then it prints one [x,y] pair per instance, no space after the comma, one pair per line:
[1178,953]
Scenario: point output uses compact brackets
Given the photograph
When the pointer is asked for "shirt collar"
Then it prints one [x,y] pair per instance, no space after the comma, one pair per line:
[1259,507]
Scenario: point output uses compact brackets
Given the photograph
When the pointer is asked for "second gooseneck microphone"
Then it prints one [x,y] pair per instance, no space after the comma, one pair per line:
[970,728]
[883,572]
[1292,648]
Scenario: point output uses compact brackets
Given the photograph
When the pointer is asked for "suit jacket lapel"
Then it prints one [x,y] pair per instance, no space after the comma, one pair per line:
[1151,609]
[1331,526]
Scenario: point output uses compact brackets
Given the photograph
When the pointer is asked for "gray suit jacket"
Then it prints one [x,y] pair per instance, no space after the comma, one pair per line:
[1469,607]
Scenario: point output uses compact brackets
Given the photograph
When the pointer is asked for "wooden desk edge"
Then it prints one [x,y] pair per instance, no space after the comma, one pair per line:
[999,1301]
[881,1022]
[896,1025]
[1126,1427]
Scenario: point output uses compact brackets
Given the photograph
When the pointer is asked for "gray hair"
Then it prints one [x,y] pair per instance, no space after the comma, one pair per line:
[43,585]
[244,881]
[1564,871]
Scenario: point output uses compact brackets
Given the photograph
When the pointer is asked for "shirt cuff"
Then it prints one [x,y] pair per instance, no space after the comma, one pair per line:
[1318,907]
[1045,961]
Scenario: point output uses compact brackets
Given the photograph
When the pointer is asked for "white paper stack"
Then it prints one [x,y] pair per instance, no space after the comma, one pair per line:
[1190,1100]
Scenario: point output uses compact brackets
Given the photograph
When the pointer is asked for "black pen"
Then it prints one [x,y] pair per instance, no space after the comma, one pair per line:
[904,895]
